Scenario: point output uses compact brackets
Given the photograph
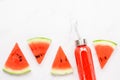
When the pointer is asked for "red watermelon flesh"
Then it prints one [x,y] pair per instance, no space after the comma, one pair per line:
[61,65]
[39,47]
[16,62]
[104,49]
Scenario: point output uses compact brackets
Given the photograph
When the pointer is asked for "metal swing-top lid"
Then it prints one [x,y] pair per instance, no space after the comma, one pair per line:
[80,42]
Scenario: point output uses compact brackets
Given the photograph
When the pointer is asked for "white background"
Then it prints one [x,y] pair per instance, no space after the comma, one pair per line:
[24,19]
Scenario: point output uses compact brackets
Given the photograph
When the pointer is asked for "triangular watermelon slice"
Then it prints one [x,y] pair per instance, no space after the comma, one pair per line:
[104,49]
[61,65]
[39,47]
[16,62]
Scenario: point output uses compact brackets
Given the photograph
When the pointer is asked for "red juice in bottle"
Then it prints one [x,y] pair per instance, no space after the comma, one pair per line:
[84,61]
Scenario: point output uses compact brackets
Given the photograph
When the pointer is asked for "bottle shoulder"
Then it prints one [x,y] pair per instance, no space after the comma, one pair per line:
[83,48]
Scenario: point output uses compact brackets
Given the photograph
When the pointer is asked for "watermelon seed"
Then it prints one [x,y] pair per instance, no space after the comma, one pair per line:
[37,56]
[100,59]
[20,56]
[20,60]
[17,54]
[41,55]
[66,59]
[61,60]
[105,58]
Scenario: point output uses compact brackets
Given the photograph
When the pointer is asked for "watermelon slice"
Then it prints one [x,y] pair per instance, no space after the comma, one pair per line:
[61,65]
[104,49]
[39,47]
[16,62]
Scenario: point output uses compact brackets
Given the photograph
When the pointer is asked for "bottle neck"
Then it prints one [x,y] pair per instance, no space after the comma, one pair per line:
[81,45]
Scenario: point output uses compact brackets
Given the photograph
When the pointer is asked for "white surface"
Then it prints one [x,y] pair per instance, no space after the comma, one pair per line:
[24,19]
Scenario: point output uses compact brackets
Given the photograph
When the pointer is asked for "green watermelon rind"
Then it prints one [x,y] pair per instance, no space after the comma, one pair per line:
[61,71]
[16,72]
[39,39]
[105,42]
